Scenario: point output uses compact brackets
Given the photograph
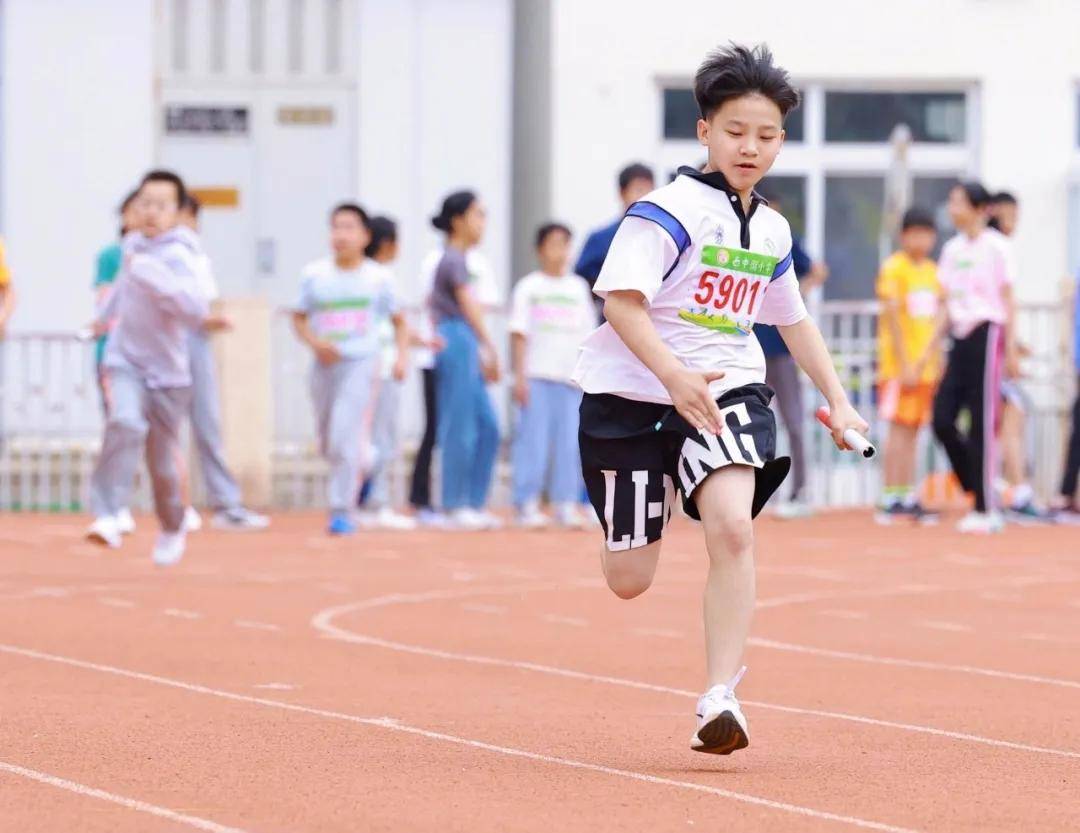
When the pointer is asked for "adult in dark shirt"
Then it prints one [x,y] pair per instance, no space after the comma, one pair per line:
[782,375]
[635,181]
[468,432]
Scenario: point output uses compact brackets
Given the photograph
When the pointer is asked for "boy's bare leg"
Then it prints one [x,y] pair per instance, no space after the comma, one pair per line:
[630,572]
[1012,444]
[900,447]
[724,501]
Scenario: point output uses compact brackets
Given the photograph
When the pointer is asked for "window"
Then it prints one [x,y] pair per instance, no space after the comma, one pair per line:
[218,36]
[787,194]
[681,116]
[296,36]
[334,33]
[257,37]
[871,116]
[180,36]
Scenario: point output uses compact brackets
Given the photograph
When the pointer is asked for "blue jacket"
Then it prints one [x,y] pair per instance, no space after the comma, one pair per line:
[595,252]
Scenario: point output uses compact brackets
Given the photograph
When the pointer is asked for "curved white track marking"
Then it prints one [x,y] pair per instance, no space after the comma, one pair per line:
[130,803]
[182,614]
[256,626]
[809,598]
[394,725]
[323,622]
[910,663]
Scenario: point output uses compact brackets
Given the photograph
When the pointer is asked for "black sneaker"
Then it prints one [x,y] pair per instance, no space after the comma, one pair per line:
[923,516]
[893,513]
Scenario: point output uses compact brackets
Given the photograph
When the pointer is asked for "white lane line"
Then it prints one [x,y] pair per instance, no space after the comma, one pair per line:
[396,726]
[491,610]
[108,601]
[806,598]
[276,686]
[951,627]
[181,614]
[844,614]
[572,621]
[323,622]
[130,803]
[256,626]
[660,632]
[910,663]
[1047,637]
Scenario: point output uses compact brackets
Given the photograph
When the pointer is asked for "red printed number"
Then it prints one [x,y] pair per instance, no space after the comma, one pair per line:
[726,291]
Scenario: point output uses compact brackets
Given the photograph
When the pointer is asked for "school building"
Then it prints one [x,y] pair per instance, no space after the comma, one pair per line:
[274,109]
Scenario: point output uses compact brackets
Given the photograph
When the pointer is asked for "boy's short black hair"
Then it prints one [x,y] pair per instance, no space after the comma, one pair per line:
[635,170]
[976,193]
[548,229]
[1004,198]
[736,70]
[383,230]
[161,175]
[351,208]
[191,204]
[918,217]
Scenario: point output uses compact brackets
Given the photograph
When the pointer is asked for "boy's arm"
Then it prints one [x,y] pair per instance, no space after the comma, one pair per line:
[1012,344]
[473,313]
[689,389]
[517,363]
[325,352]
[402,339]
[810,353]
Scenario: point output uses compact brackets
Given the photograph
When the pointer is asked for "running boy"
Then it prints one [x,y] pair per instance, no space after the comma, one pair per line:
[551,314]
[342,301]
[977,273]
[674,382]
[909,360]
[155,303]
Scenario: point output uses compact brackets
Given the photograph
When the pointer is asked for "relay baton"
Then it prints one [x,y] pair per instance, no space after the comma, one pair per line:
[852,437]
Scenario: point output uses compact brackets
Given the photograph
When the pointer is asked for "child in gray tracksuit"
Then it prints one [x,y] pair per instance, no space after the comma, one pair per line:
[154,307]
[343,301]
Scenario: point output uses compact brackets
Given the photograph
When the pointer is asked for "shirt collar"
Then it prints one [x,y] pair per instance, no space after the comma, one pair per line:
[715,179]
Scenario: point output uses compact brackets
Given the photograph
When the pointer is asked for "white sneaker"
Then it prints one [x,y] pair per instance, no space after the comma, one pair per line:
[124,522]
[104,531]
[169,547]
[465,520]
[192,520]
[569,516]
[488,520]
[722,727]
[387,518]
[430,519]
[981,523]
[237,519]
[530,516]
[793,510]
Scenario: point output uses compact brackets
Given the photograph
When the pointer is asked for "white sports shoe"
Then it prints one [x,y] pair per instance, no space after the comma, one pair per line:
[981,523]
[169,547]
[387,518]
[465,520]
[569,516]
[237,519]
[530,516]
[104,531]
[192,520]
[791,510]
[488,520]
[430,519]
[722,727]
[124,522]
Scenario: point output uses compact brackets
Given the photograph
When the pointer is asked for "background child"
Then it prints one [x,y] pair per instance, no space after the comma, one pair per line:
[551,314]
[909,362]
[977,272]
[342,301]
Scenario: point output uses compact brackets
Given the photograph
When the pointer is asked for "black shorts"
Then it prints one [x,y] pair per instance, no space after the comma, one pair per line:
[634,455]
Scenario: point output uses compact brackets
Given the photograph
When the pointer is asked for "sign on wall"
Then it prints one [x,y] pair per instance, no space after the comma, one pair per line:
[189,120]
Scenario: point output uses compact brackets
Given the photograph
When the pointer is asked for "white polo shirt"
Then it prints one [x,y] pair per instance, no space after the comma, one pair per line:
[708,273]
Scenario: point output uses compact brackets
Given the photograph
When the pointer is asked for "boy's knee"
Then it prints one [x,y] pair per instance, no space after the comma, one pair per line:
[627,584]
[734,534]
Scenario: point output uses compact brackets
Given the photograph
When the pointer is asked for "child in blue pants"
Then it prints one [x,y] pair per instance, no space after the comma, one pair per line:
[552,313]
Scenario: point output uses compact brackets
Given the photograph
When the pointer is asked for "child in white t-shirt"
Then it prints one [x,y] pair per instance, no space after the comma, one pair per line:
[674,383]
[551,314]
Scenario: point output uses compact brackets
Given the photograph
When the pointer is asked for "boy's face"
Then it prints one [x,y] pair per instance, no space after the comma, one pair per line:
[918,241]
[743,136]
[348,234]
[554,253]
[636,189]
[157,208]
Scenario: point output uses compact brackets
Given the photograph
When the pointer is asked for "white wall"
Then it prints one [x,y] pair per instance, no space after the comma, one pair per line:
[77,132]
[610,55]
[435,116]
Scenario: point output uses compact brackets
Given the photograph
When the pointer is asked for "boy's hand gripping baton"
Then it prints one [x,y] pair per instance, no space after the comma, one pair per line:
[852,437]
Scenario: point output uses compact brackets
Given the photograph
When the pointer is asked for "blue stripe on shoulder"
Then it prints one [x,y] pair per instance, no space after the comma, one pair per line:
[782,266]
[664,219]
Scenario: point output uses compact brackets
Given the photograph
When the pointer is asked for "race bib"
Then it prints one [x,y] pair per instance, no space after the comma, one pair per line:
[922,303]
[729,290]
[343,320]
